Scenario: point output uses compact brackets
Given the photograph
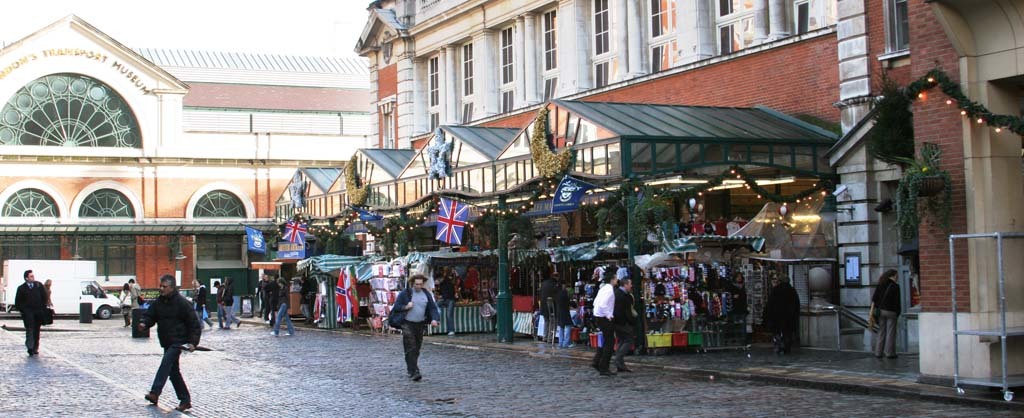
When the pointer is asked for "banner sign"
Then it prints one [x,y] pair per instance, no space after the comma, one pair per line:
[254,237]
[287,249]
[568,195]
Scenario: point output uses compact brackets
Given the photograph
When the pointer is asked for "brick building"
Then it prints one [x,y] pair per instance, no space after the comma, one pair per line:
[493,64]
[150,161]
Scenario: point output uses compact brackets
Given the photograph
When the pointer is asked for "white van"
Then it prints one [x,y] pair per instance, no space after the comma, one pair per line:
[73,283]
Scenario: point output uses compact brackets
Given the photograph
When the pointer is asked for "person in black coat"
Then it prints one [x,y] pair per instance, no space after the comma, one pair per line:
[178,329]
[563,318]
[199,302]
[783,313]
[887,299]
[30,299]
[625,322]
[272,291]
[227,298]
[548,291]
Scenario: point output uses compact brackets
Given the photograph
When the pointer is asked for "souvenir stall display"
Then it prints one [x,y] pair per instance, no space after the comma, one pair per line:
[474,275]
[387,281]
[326,270]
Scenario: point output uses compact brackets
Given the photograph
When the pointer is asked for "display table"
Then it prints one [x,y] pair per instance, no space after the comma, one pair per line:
[467,320]
[522,323]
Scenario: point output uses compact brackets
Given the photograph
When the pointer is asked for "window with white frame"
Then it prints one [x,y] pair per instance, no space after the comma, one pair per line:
[809,15]
[602,44]
[467,83]
[433,91]
[662,34]
[735,23]
[387,125]
[549,26]
[507,72]
[897,31]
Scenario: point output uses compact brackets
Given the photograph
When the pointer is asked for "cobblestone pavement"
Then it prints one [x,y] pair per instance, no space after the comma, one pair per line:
[98,370]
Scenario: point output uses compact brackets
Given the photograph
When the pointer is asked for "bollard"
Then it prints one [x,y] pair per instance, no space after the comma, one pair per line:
[136,320]
[85,313]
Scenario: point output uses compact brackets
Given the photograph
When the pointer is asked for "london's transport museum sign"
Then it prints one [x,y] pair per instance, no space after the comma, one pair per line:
[115,65]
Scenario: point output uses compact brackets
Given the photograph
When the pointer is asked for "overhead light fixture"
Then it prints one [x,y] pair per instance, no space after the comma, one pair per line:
[180,256]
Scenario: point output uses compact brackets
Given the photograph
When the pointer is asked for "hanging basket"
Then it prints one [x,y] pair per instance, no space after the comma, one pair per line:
[930,186]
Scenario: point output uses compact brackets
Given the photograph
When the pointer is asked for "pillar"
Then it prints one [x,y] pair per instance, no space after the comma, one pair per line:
[637,39]
[696,31]
[530,78]
[777,18]
[505,332]
[620,40]
[760,21]
[485,90]
[450,88]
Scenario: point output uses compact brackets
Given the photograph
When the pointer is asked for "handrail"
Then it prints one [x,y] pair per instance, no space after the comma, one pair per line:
[853,317]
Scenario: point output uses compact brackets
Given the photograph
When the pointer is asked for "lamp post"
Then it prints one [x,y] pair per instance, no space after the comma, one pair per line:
[504,297]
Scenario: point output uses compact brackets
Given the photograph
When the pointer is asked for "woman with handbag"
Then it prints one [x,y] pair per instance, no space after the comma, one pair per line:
[885,309]
[126,304]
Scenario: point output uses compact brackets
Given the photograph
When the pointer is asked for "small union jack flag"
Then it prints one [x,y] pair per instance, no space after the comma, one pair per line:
[295,232]
[451,220]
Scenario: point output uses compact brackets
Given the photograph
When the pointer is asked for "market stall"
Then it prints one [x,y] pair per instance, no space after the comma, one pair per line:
[326,270]
[474,277]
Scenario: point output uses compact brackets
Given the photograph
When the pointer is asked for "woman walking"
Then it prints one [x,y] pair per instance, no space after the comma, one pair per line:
[414,307]
[282,298]
[126,304]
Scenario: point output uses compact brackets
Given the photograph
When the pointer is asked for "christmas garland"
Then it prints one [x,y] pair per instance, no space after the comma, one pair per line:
[548,163]
[356,195]
[973,110]
[398,231]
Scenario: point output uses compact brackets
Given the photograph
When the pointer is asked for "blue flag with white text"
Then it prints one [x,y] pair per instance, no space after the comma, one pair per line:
[568,195]
[254,237]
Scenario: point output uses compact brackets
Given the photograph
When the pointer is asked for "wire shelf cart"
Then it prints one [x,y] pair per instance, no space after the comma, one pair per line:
[1006,382]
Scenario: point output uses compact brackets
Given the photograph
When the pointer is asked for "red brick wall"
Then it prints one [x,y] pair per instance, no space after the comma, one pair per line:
[517,121]
[387,85]
[938,123]
[154,258]
[802,78]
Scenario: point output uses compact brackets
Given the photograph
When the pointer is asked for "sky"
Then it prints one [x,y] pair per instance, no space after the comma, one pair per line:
[296,27]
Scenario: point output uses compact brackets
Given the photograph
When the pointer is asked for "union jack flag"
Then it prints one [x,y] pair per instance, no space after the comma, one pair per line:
[295,232]
[451,220]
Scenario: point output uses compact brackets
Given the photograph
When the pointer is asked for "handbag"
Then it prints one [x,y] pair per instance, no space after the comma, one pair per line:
[395,318]
[47,317]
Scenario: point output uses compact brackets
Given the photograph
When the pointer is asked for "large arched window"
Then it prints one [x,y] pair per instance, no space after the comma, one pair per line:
[219,204]
[31,203]
[68,110]
[106,203]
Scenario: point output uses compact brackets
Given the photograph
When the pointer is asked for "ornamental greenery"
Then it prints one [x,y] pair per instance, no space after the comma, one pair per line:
[356,195]
[892,137]
[909,211]
[548,163]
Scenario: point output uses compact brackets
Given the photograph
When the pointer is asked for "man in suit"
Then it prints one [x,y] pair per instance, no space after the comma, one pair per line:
[30,300]
[625,322]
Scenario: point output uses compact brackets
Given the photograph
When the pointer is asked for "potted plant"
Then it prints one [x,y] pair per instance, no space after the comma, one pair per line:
[923,179]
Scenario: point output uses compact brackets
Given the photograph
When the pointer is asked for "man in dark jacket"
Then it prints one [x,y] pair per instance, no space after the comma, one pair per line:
[273,300]
[178,330]
[30,300]
[625,322]
[265,307]
[447,302]
[199,302]
[414,308]
[227,298]
[783,313]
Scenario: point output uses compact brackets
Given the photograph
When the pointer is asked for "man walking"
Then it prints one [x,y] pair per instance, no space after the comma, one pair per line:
[178,330]
[30,300]
[200,302]
[282,312]
[265,307]
[447,288]
[228,300]
[414,306]
[625,322]
[604,314]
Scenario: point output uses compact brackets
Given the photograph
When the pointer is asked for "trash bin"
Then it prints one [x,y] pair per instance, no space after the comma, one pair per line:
[136,320]
[85,313]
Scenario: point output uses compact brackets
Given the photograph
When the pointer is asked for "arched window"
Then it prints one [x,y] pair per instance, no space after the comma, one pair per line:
[31,203]
[219,204]
[68,110]
[106,203]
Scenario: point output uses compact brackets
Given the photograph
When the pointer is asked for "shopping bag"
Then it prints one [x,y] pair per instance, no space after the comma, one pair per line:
[206,315]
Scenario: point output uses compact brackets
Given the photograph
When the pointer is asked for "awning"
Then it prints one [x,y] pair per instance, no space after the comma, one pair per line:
[135,229]
[587,251]
[694,243]
[330,265]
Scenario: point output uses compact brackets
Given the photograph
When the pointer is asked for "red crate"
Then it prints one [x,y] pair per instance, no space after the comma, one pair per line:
[595,340]
[522,303]
[679,339]
[574,334]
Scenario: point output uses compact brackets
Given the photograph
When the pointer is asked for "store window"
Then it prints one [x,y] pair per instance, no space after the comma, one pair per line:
[467,83]
[735,22]
[433,92]
[33,203]
[30,247]
[812,15]
[897,31]
[219,204]
[68,110]
[550,28]
[387,127]
[602,44]
[219,248]
[114,255]
[106,203]
[662,34]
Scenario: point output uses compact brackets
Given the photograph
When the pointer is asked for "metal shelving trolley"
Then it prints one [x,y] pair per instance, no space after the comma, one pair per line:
[1002,331]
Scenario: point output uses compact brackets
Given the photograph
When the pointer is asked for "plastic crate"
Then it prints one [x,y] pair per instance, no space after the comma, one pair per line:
[659,340]
[695,338]
[680,339]
[595,340]
[574,335]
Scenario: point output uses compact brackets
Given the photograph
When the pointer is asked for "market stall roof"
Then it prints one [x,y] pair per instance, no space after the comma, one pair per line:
[322,178]
[663,139]
[800,235]
[330,264]
[694,243]
[391,161]
[430,256]
[470,145]
[587,251]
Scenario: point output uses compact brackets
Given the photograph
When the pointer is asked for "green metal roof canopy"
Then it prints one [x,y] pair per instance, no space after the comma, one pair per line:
[660,139]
